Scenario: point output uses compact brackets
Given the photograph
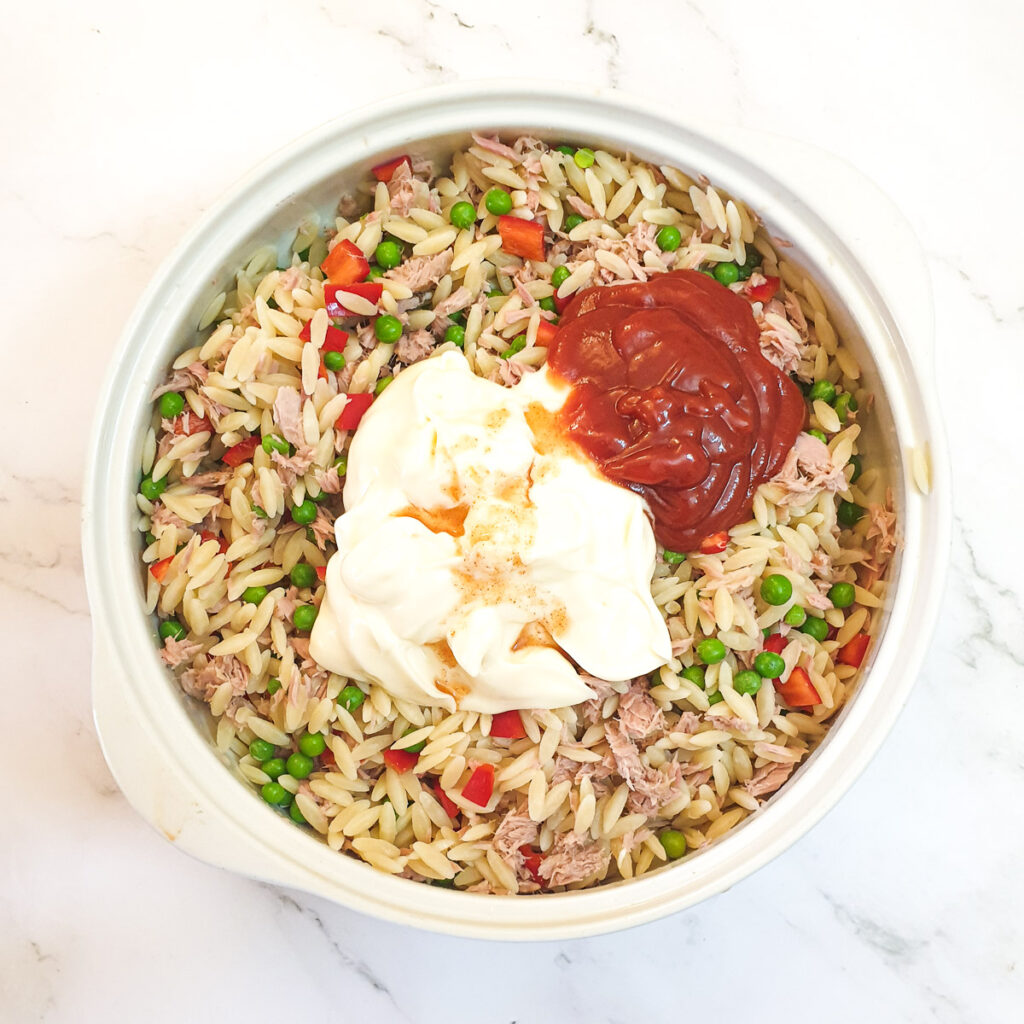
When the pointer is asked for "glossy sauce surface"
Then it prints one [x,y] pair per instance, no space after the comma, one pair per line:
[673,399]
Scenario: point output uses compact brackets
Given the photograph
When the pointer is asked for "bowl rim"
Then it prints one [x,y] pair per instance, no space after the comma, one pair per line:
[110,557]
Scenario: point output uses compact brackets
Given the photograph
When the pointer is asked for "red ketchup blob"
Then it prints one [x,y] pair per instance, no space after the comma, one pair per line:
[672,398]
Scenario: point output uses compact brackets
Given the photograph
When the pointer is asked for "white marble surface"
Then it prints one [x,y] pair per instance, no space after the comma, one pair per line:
[120,123]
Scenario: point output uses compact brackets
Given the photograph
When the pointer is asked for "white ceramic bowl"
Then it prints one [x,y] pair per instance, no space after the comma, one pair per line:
[854,245]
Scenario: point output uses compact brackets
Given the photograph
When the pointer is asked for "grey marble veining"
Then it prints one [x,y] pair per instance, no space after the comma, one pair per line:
[905,904]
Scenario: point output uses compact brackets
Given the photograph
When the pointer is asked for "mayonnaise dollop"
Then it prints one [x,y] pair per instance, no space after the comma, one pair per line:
[479,547]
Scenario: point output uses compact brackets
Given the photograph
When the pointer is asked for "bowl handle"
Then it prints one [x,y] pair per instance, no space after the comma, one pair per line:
[147,774]
[867,220]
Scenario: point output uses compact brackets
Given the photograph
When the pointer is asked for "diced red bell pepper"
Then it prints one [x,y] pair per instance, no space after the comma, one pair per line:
[158,570]
[334,297]
[522,237]
[336,340]
[480,786]
[188,423]
[401,760]
[321,572]
[546,332]
[241,452]
[451,808]
[764,292]
[507,725]
[853,652]
[531,861]
[353,411]
[345,263]
[775,643]
[327,758]
[714,543]
[385,171]
[560,304]
[797,690]
[222,542]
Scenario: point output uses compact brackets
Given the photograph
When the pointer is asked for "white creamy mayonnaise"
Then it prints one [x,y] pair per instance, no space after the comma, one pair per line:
[480,547]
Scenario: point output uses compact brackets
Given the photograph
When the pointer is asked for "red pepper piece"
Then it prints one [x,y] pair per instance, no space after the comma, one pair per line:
[480,786]
[188,423]
[241,452]
[451,808]
[775,643]
[714,543]
[353,411]
[532,861]
[853,652]
[764,292]
[546,332]
[522,237]
[334,297]
[222,542]
[335,340]
[345,263]
[158,570]
[507,725]
[401,760]
[797,690]
[321,572]
[327,758]
[385,171]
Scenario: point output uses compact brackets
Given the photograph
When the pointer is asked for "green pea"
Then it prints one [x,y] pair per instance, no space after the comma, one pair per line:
[152,489]
[382,384]
[261,750]
[858,467]
[456,335]
[304,616]
[815,628]
[172,628]
[673,842]
[583,158]
[375,273]
[462,215]
[668,238]
[776,589]
[304,513]
[273,443]
[715,698]
[796,616]
[171,404]
[708,273]
[334,361]
[559,276]
[303,575]
[751,263]
[695,674]
[498,202]
[711,651]
[388,254]
[844,405]
[769,665]
[673,557]
[822,390]
[842,595]
[567,150]
[295,814]
[273,685]
[574,220]
[274,767]
[819,434]
[727,273]
[299,766]
[341,464]
[458,317]
[416,747]
[254,595]
[746,681]
[274,793]
[849,513]
[387,328]
[312,744]
[548,304]
[517,345]
[351,698]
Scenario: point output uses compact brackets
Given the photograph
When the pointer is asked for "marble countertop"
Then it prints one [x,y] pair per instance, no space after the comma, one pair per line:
[121,123]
